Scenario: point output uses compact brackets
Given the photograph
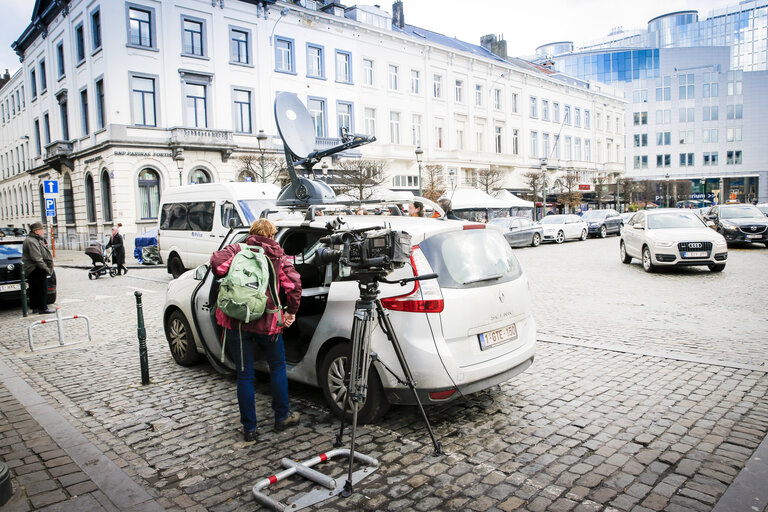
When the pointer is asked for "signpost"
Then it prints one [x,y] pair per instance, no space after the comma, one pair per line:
[51,191]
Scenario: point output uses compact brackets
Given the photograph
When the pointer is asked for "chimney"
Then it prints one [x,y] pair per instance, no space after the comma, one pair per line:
[4,79]
[497,46]
[398,16]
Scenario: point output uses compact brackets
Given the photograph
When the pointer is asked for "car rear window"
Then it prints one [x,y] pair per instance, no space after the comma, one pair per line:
[471,258]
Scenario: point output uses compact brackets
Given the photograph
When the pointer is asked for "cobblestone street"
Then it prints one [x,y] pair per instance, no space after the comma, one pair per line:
[648,392]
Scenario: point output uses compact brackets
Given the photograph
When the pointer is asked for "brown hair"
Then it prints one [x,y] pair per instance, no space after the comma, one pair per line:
[263,227]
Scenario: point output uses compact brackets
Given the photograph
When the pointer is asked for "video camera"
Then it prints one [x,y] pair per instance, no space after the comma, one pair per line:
[366,250]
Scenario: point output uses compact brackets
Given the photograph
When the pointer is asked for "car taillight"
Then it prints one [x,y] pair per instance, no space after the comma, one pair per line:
[442,395]
[425,296]
[474,226]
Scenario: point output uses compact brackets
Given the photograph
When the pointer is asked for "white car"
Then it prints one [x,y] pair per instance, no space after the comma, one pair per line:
[467,330]
[672,237]
[559,228]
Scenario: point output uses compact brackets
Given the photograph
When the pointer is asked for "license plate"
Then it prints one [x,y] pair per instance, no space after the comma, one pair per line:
[700,254]
[10,287]
[754,236]
[497,336]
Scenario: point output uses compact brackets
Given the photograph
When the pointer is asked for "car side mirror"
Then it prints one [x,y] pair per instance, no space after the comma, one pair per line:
[638,226]
[200,272]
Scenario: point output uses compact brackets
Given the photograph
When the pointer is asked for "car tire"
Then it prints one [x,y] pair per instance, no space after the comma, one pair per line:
[559,237]
[180,341]
[766,245]
[583,234]
[51,298]
[334,378]
[175,266]
[603,231]
[717,267]
[535,240]
[625,258]
[648,265]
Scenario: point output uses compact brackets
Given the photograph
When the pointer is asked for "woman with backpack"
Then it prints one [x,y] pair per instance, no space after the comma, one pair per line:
[241,337]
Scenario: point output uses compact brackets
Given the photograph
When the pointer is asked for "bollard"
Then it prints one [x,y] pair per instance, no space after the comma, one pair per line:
[142,332]
[24,306]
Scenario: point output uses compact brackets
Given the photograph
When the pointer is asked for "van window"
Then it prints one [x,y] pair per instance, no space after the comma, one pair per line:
[228,212]
[173,216]
[471,258]
[188,216]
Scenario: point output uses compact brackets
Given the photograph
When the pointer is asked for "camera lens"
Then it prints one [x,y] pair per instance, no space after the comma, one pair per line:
[326,255]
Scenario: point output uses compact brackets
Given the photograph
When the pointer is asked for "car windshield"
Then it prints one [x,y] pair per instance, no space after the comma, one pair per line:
[594,214]
[740,212]
[763,209]
[553,219]
[471,258]
[8,251]
[674,220]
[252,208]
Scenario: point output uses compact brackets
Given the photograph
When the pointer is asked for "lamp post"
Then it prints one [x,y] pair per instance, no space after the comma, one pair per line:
[666,202]
[452,177]
[618,200]
[262,137]
[419,152]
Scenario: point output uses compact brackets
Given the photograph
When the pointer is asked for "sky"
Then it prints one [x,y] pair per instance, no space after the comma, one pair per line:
[524,24]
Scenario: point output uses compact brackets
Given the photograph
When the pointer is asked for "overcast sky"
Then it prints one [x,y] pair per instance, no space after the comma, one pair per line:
[524,24]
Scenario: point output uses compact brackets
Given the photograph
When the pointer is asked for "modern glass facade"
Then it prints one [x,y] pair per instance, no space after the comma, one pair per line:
[609,67]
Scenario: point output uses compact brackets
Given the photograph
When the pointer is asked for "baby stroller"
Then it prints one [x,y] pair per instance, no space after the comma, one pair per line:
[100,259]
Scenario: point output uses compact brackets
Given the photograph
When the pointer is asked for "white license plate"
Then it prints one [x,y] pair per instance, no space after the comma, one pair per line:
[10,287]
[498,336]
[754,236]
[700,254]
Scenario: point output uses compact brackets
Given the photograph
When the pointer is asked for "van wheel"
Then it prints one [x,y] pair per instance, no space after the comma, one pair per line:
[175,266]
[180,340]
[334,381]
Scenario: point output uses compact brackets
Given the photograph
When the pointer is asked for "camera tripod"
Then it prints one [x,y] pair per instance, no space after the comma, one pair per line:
[361,358]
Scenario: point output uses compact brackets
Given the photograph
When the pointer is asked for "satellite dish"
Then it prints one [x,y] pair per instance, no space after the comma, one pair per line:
[294,125]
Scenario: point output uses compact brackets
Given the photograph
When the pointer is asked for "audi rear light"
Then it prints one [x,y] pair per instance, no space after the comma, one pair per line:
[473,226]
[442,395]
[425,296]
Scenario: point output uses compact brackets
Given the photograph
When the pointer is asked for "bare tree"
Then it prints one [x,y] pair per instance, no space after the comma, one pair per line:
[432,184]
[628,189]
[359,178]
[601,189]
[571,196]
[490,179]
[533,180]
[275,169]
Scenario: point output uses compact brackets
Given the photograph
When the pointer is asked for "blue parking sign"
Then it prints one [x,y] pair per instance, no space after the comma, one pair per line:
[50,207]
[50,187]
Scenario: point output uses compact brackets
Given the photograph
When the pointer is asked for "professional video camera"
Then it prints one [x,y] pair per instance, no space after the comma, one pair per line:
[366,250]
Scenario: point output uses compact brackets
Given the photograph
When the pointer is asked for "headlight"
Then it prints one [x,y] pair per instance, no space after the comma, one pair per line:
[721,242]
[663,244]
[730,227]
[594,224]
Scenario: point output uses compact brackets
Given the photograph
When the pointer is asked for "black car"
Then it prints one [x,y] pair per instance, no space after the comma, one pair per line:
[10,272]
[740,223]
[602,222]
[519,232]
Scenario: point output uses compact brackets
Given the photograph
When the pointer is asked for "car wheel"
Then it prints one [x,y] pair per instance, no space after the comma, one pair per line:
[334,379]
[536,240]
[560,237]
[180,341]
[175,266]
[52,297]
[583,234]
[717,267]
[766,245]
[625,258]
[603,231]
[648,265]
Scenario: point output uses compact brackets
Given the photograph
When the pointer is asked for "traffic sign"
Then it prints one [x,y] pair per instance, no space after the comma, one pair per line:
[50,187]
[50,207]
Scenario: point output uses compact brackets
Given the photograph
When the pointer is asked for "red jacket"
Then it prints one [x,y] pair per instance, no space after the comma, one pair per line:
[289,282]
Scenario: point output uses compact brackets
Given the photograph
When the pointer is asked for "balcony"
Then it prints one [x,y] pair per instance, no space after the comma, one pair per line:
[203,139]
[58,154]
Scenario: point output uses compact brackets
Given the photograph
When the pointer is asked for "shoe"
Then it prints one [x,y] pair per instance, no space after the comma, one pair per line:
[46,311]
[125,271]
[289,421]
[252,436]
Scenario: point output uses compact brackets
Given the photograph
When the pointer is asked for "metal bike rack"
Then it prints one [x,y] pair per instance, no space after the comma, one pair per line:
[60,327]
[305,469]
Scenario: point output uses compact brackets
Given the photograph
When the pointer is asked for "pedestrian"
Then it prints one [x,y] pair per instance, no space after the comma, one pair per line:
[38,265]
[447,207]
[118,249]
[265,332]
[416,209]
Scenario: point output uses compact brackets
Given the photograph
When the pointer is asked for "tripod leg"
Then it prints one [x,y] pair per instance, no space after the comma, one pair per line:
[384,318]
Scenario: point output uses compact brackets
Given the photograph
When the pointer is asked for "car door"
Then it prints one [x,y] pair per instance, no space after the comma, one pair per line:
[633,235]
[515,232]
[526,231]
[574,226]
[613,221]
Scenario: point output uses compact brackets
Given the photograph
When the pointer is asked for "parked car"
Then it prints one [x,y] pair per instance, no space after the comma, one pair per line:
[672,237]
[468,330]
[13,232]
[519,231]
[740,223]
[10,272]
[625,218]
[602,222]
[763,207]
[559,228]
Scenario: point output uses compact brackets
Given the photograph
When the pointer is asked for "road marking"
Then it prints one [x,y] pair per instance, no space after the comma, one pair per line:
[70,301]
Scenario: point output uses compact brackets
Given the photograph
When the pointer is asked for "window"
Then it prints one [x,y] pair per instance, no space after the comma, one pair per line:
[534,145]
[567,114]
[556,112]
[640,118]
[710,89]
[64,115]
[96,30]
[242,104]
[415,81]
[686,159]
[568,147]
[577,117]
[416,129]
[710,113]
[480,135]
[545,143]
[438,133]
[144,101]
[192,37]
[370,121]
[686,136]
[60,59]
[315,61]
[515,142]
[459,135]
[239,46]
[734,83]
[545,110]
[80,45]
[588,150]
[394,127]
[641,162]
[733,135]
[687,115]
[69,199]
[33,82]
[459,91]
[316,107]
[686,86]
[437,86]
[141,27]
[393,78]
[149,194]
[663,160]
[478,95]
[514,102]
[284,55]
[43,77]
[497,99]
[47,128]
[368,72]
[710,158]
[499,138]
[709,135]
[664,88]
[344,117]
[735,111]
[197,222]
[640,96]
[405,181]
[38,142]
[577,145]
[598,121]
[733,158]
[663,138]
[84,110]
[90,199]
[641,140]
[587,123]
[534,112]
[100,121]
[343,67]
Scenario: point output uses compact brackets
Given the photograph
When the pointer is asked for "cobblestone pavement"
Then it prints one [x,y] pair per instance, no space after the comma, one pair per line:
[594,424]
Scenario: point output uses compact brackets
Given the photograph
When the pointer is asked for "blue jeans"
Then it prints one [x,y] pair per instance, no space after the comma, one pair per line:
[272,347]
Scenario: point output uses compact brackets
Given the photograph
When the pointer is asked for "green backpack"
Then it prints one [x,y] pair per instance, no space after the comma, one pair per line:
[243,291]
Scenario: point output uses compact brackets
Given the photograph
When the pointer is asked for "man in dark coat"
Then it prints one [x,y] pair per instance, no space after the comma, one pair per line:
[38,265]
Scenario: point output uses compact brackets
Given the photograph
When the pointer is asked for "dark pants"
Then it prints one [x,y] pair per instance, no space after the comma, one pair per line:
[38,289]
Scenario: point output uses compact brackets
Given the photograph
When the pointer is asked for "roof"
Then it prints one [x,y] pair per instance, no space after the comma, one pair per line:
[450,42]
[512,199]
[470,198]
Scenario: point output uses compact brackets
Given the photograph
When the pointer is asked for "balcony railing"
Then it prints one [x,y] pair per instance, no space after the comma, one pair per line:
[201,136]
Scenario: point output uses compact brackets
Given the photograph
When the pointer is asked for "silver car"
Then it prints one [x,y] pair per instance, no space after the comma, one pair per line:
[672,237]
[466,331]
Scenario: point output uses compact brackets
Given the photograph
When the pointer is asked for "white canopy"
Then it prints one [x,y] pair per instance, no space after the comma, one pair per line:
[381,194]
[465,198]
[512,199]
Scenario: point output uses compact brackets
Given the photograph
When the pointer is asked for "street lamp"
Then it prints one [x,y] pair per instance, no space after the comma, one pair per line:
[262,137]
[666,202]
[419,152]
[451,177]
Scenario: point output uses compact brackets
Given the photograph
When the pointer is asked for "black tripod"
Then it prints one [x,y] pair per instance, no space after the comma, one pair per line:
[361,357]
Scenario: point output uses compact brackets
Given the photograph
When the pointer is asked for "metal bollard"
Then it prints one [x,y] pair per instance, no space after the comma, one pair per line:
[142,332]
[24,307]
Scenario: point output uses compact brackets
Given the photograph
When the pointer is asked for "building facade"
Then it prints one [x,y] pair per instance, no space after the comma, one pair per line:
[120,103]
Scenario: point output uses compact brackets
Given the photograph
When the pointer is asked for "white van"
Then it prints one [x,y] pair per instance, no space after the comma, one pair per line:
[194,219]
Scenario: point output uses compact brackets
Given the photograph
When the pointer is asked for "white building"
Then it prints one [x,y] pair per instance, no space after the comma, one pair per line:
[124,102]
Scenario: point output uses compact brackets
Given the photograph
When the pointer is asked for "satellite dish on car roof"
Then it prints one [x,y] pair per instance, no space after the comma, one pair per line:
[294,125]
